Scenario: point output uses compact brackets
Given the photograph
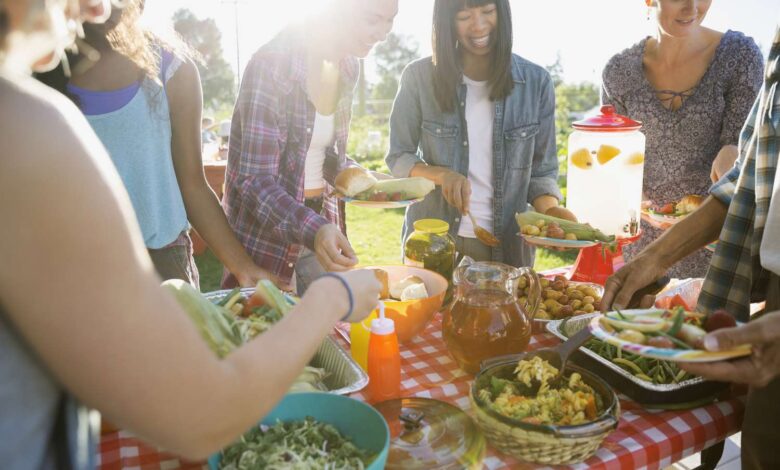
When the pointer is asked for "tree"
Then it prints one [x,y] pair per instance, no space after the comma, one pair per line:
[392,56]
[217,77]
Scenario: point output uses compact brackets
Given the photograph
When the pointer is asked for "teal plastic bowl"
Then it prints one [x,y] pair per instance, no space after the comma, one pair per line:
[359,422]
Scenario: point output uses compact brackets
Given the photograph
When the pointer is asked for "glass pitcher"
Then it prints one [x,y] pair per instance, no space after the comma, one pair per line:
[486,319]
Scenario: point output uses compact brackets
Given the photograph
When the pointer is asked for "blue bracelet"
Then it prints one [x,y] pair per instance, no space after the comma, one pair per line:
[349,293]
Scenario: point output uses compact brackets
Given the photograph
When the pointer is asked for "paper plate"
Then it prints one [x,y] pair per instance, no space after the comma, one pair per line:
[381,204]
[676,355]
[547,242]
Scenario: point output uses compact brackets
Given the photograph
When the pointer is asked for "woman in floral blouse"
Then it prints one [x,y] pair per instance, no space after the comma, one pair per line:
[692,87]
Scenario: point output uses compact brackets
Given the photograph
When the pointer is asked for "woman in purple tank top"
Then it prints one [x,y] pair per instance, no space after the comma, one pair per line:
[132,62]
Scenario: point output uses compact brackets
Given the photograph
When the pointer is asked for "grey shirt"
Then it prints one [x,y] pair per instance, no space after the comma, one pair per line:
[41,427]
[682,144]
[525,165]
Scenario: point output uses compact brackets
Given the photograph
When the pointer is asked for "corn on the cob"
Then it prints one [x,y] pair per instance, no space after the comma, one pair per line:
[410,188]
[582,231]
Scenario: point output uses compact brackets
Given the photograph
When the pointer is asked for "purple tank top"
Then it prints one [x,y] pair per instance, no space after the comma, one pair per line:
[95,103]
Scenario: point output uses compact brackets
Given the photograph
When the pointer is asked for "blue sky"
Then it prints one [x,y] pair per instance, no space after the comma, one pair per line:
[584,33]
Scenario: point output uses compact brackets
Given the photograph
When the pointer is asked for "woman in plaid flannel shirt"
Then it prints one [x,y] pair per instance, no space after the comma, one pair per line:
[743,211]
[288,141]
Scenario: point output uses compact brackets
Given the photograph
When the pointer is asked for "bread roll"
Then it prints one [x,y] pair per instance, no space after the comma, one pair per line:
[414,292]
[689,204]
[382,277]
[354,180]
[397,289]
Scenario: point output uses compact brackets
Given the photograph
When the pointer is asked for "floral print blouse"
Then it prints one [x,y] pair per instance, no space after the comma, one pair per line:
[682,144]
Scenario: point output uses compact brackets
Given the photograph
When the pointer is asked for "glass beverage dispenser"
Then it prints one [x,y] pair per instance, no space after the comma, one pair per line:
[605,170]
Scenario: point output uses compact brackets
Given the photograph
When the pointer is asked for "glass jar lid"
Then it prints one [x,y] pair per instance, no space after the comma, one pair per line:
[431,226]
[607,121]
[427,433]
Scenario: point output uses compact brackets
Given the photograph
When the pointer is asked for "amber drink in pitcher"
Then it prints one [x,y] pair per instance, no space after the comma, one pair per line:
[486,319]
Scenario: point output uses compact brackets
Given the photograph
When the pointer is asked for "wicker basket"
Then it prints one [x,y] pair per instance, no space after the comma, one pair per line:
[545,444]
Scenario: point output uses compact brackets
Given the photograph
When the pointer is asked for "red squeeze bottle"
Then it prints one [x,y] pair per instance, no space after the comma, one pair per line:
[384,360]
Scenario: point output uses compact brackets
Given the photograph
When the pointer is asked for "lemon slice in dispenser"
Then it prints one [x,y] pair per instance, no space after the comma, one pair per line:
[582,159]
[636,158]
[607,153]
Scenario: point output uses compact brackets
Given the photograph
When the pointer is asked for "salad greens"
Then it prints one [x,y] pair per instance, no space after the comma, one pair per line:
[297,445]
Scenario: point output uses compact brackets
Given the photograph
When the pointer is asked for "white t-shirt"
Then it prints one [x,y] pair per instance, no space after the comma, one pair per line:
[321,138]
[480,112]
[770,241]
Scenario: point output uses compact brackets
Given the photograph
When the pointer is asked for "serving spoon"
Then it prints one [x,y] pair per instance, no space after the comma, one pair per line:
[556,357]
[482,234]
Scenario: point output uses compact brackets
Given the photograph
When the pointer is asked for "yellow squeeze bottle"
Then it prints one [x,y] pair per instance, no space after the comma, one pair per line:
[359,334]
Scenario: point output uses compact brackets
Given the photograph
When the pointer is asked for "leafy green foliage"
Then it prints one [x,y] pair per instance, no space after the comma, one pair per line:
[368,141]
[391,57]
[217,78]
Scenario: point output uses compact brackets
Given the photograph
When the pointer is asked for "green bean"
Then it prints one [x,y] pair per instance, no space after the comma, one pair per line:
[632,367]
[668,368]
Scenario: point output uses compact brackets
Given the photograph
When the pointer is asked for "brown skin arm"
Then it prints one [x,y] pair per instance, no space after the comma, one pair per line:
[203,209]
[690,234]
[84,296]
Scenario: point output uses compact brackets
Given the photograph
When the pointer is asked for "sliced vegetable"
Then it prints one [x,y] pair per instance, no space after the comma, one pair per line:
[632,336]
[719,319]
[679,316]
[692,335]
[648,325]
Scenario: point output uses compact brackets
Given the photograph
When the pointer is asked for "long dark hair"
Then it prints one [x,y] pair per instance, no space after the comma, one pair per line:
[447,70]
[128,38]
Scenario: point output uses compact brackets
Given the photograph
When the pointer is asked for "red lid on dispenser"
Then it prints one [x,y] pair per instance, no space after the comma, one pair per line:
[607,121]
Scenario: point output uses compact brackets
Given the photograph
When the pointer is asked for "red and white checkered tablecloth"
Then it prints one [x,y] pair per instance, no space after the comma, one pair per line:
[643,439]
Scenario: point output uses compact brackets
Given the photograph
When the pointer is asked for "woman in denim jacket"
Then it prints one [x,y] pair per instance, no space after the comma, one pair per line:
[479,122]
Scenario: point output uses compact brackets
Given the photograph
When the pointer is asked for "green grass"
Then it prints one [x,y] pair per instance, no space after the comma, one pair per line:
[210,270]
[376,237]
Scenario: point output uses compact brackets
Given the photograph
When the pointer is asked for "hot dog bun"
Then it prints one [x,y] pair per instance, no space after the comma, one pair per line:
[353,180]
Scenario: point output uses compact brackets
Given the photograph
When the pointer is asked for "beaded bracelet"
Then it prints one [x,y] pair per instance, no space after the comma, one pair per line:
[349,293]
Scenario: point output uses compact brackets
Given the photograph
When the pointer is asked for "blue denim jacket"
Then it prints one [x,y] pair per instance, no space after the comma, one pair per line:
[525,164]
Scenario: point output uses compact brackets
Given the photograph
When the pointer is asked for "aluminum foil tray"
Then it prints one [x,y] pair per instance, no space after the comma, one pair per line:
[345,376]
[692,391]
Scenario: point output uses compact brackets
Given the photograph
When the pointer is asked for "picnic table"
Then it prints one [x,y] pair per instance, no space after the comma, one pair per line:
[644,438]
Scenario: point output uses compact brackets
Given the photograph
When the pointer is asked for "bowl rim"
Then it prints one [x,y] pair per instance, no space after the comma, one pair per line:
[216,457]
[606,421]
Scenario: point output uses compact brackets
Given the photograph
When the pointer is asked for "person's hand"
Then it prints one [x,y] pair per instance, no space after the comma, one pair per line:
[656,223]
[723,162]
[252,275]
[621,286]
[333,249]
[758,369]
[365,292]
[561,213]
[456,190]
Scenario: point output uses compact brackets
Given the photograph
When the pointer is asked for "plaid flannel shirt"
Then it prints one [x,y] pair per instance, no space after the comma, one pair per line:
[736,277]
[269,138]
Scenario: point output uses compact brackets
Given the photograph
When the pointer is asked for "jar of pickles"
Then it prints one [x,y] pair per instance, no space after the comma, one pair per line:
[430,246]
